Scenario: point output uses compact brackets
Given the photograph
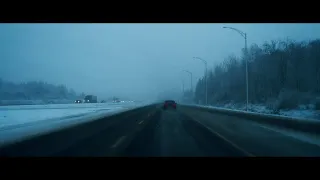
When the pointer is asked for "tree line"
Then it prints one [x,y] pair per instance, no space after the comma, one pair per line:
[283,72]
[35,90]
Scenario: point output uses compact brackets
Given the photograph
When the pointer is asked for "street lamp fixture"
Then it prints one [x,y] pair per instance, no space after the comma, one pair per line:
[205,63]
[244,35]
[190,73]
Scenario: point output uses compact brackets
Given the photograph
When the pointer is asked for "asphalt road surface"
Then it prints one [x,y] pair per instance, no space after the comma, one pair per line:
[156,132]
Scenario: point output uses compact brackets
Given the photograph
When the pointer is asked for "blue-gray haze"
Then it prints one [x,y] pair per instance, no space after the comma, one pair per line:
[137,61]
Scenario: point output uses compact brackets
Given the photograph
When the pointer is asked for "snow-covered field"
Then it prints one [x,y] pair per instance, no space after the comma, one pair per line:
[26,114]
[20,121]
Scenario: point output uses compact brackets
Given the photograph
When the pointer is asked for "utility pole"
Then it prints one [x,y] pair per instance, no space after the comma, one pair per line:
[206,69]
[244,35]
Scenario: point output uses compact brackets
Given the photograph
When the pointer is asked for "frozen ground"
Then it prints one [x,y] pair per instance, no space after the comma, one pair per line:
[301,112]
[65,106]
[20,121]
[26,114]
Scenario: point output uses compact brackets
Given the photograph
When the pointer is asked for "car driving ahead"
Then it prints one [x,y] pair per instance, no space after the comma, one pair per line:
[78,101]
[169,104]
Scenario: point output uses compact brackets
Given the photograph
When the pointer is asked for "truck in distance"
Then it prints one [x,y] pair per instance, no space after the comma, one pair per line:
[91,99]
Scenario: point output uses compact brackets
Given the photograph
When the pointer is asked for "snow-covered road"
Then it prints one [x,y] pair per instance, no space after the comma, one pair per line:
[20,121]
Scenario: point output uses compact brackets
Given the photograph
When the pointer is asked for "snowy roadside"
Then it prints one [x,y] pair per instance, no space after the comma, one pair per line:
[21,131]
[301,112]
[30,114]
[13,118]
[17,124]
[64,106]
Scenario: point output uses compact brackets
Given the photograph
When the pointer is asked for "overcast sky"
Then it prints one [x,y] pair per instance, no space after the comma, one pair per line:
[131,60]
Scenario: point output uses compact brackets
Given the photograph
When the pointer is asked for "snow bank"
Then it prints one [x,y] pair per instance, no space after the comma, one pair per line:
[309,114]
[304,111]
[20,131]
[10,118]
[26,114]
[17,122]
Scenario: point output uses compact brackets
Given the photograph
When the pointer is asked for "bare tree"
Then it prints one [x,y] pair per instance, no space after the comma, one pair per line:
[275,68]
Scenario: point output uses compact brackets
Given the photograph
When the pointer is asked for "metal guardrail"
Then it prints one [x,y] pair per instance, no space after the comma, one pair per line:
[296,124]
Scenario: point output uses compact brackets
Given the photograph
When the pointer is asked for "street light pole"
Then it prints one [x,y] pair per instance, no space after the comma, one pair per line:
[205,63]
[247,80]
[182,97]
[190,79]
[244,35]
[183,87]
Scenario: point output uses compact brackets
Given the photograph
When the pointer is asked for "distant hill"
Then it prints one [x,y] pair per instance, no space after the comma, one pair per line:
[34,91]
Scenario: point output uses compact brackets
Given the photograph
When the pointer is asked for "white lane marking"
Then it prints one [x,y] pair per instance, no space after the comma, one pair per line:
[119,141]
[225,139]
[141,122]
[291,134]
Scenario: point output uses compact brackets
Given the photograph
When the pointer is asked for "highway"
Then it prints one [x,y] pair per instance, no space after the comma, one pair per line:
[151,131]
